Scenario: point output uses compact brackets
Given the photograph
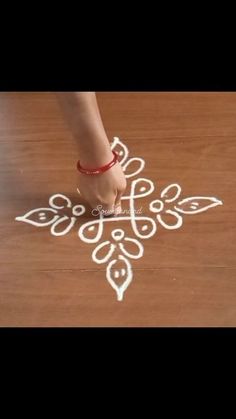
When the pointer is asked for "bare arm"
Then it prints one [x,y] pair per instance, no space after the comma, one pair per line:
[83,116]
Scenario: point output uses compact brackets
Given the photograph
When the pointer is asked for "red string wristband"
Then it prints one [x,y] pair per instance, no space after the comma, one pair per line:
[99,169]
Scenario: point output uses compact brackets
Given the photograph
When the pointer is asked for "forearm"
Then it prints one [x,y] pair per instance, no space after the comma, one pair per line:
[83,117]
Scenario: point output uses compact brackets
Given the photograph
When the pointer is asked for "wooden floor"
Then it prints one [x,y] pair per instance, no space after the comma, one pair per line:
[186,277]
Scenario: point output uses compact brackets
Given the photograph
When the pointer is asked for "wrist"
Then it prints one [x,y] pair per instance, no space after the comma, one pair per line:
[96,158]
[98,170]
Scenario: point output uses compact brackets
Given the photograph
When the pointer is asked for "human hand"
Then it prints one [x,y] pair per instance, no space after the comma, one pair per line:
[104,191]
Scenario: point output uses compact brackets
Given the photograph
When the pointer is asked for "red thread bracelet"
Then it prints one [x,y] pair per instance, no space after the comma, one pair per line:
[99,169]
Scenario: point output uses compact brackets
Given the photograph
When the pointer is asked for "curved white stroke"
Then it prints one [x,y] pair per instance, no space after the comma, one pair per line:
[131,255]
[173,226]
[125,164]
[120,289]
[117,234]
[67,229]
[58,195]
[167,189]
[134,218]
[140,168]
[25,218]
[153,208]
[117,141]
[108,255]
[109,220]
[75,209]
[140,195]
[98,222]
[214,203]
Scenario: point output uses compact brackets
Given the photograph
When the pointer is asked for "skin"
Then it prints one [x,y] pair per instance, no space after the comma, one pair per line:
[83,116]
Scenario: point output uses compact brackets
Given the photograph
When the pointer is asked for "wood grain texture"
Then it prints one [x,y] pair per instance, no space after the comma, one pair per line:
[187,277]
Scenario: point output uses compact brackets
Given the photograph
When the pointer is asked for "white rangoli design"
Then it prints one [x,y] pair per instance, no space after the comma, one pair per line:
[143,227]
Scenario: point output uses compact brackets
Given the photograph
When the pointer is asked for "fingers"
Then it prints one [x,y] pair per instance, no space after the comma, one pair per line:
[108,207]
[103,198]
[112,206]
[120,192]
[118,207]
[105,207]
